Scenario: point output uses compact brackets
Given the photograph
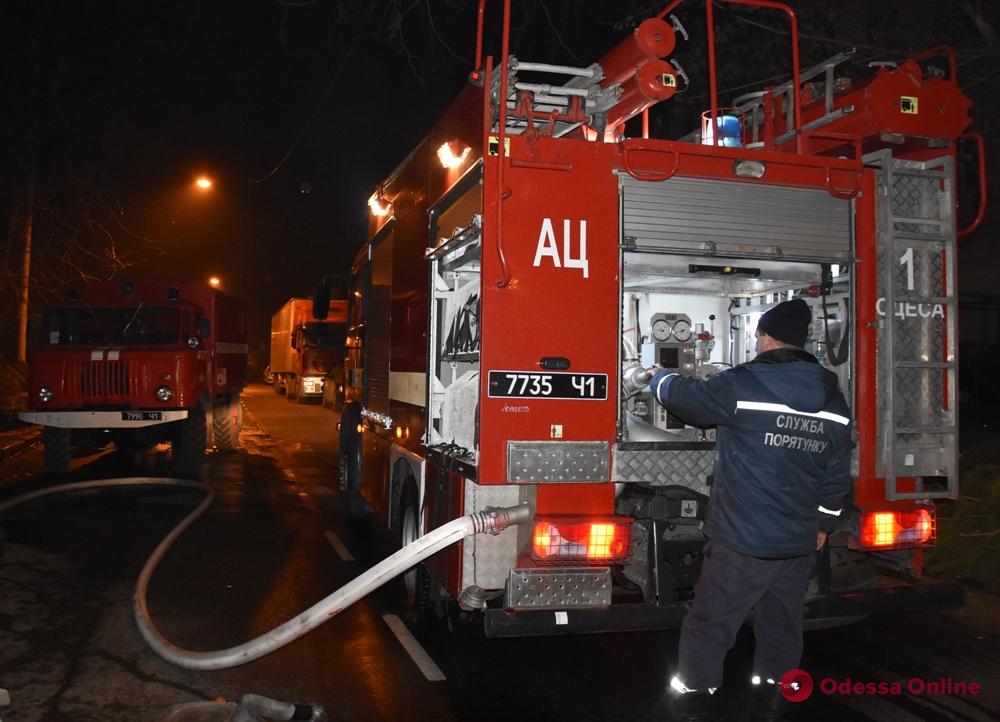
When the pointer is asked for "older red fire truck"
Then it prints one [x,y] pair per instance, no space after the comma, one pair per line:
[136,363]
[528,261]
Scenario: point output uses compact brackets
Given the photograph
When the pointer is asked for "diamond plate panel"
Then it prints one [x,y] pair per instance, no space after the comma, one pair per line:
[562,461]
[559,588]
[919,398]
[487,559]
[688,467]
[917,197]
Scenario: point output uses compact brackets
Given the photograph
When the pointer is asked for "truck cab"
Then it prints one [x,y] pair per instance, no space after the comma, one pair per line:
[306,351]
[135,363]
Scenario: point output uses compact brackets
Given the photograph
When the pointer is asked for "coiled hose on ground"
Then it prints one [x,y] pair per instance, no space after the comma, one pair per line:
[490,520]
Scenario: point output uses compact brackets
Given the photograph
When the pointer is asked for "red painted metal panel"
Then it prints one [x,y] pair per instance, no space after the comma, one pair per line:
[552,305]
[583,499]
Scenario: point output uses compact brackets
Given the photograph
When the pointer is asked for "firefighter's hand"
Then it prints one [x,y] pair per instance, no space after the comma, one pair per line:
[820,540]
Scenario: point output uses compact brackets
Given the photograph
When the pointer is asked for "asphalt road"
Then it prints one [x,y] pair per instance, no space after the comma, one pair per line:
[276,542]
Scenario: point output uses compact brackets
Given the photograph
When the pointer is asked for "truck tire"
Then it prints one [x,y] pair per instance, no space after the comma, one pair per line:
[227,415]
[299,397]
[355,507]
[350,448]
[57,449]
[279,388]
[190,442]
[292,390]
[415,583]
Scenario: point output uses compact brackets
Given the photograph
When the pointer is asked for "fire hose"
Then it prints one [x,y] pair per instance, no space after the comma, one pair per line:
[491,520]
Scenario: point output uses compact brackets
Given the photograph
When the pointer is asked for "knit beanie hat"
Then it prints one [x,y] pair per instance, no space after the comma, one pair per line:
[787,322]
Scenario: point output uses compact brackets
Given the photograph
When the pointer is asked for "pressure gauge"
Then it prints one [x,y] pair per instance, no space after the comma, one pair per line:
[661,329]
[682,330]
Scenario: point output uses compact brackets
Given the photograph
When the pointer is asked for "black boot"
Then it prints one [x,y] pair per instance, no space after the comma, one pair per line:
[691,707]
[767,703]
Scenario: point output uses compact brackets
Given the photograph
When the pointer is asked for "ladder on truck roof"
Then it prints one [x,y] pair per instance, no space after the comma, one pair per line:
[917,335]
[538,104]
[751,105]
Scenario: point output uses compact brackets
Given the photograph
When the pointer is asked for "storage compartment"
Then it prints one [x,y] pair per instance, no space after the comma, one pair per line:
[697,315]
[455,342]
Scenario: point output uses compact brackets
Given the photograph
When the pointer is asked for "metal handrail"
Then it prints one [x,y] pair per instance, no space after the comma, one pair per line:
[981,213]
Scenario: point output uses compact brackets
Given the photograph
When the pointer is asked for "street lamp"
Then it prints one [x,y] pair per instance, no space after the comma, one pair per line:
[214,281]
[203,183]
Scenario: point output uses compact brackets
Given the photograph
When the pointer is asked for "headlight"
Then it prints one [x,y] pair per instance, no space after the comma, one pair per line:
[45,394]
[194,342]
[164,393]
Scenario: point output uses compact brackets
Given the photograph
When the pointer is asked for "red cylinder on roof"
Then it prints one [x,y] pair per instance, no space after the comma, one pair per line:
[655,80]
[654,38]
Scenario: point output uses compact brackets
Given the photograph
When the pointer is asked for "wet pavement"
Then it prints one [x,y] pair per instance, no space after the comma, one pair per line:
[276,541]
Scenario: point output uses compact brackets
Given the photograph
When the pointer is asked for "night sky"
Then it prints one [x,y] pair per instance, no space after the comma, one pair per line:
[118,106]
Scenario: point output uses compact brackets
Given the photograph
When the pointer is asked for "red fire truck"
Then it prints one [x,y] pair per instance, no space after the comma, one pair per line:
[137,363]
[500,357]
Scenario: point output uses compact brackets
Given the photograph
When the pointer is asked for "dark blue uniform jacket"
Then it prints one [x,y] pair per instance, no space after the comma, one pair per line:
[782,454]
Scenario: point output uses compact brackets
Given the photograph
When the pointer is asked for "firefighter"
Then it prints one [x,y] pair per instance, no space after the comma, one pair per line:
[782,470]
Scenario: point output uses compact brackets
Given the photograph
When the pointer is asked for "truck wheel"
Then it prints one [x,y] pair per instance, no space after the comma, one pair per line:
[226,417]
[279,388]
[350,448]
[416,581]
[292,390]
[57,447]
[190,441]
[355,507]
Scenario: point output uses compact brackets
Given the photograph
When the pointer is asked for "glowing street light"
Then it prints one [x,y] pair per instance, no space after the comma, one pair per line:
[215,281]
[204,183]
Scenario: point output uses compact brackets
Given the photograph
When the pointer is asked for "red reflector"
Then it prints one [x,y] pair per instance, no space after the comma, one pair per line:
[892,529]
[592,540]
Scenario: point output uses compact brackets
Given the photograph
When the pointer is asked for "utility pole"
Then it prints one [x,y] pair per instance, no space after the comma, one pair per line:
[22,310]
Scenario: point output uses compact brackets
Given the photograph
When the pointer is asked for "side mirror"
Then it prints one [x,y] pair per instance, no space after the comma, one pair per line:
[204,327]
[321,301]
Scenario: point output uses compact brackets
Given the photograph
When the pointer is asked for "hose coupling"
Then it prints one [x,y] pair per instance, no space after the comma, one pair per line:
[494,519]
[635,377]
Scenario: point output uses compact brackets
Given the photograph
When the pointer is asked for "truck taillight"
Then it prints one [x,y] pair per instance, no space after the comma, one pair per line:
[595,541]
[893,529]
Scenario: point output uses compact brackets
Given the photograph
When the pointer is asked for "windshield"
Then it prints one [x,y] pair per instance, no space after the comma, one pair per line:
[324,335]
[139,326]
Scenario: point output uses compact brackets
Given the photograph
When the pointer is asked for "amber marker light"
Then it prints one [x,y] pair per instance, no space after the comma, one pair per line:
[379,205]
[453,154]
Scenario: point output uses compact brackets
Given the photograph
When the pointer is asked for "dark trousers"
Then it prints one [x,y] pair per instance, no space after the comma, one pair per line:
[730,585]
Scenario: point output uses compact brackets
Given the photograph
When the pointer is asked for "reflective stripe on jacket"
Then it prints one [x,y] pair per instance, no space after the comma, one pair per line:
[782,453]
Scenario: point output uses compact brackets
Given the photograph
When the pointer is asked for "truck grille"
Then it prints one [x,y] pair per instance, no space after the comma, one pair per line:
[105,380]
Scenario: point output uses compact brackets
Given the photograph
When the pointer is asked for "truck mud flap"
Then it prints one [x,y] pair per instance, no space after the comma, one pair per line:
[639,617]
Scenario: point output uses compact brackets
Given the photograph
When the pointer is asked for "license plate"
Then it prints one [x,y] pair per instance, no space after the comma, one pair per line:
[142,415]
[523,384]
